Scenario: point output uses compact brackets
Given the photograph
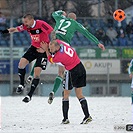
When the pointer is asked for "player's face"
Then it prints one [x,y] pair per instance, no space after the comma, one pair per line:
[52,48]
[28,22]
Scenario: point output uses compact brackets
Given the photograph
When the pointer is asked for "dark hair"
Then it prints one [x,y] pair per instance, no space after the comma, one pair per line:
[29,16]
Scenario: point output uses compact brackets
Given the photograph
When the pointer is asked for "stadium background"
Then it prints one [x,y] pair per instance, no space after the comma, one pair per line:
[106,71]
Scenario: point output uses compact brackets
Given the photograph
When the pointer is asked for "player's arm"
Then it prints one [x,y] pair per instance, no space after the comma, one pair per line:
[130,69]
[58,14]
[14,29]
[10,30]
[80,28]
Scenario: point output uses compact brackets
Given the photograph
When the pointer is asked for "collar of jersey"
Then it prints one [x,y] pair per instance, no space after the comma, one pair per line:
[33,24]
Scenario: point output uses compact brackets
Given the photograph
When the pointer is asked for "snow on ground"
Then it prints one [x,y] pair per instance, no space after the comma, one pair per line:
[38,116]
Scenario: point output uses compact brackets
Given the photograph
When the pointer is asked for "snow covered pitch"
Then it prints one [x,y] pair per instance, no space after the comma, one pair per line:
[110,115]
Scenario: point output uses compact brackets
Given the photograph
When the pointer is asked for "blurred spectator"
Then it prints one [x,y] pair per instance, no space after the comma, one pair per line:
[110,21]
[122,40]
[87,26]
[111,33]
[101,36]
[129,29]
[2,20]
[120,31]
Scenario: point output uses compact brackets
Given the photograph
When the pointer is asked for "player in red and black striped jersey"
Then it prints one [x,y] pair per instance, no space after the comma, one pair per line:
[39,32]
[61,52]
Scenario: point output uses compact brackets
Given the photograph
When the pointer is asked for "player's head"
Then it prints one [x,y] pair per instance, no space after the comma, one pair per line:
[72,15]
[28,20]
[54,46]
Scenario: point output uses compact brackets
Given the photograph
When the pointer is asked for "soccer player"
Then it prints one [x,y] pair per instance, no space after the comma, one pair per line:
[39,31]
[61,52]
[65,28]
[130,72]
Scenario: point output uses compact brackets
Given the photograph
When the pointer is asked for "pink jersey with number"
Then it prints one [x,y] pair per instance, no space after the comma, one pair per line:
[66,56]
[40,32]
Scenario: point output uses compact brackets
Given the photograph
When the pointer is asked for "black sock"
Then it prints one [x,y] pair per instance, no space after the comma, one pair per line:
[34,84]
[84,106]
[65,108]
[21,73]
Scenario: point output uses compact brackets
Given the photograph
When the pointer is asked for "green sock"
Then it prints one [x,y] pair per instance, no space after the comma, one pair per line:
[57,83]
[32,71]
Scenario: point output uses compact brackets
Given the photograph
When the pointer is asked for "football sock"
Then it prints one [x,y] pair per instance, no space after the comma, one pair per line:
[57,83]
[65,108]
[21,73]
[34,84]
[84,106]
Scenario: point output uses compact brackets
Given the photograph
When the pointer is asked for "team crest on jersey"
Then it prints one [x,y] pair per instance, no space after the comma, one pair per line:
[61,48]
[37,31]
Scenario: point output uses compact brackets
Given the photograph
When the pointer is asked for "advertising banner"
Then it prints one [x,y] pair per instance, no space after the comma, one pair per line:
[127,53]
[92,67]
[97,53]
[5,53]
[102,66]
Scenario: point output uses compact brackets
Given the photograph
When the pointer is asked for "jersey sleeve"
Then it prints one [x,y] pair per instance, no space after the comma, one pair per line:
[80,28]
[21,28]
[46,28]
[57,15]
[130,68]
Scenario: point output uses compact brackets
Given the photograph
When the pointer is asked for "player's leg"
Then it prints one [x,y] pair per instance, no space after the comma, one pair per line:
[84,106]
[65,106]
[26,59]
[21,72]
[30,77]
[34,84]
[78,75]
[65,101]
[57,82]
[41,64]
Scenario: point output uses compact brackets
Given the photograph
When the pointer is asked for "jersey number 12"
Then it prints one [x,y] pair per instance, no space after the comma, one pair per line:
[64,28]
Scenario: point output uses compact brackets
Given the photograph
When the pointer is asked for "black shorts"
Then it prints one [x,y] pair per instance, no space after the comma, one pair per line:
[75,77]
[32,54]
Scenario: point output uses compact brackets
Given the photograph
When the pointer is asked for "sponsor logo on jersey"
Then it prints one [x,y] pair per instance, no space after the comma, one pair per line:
[35,38]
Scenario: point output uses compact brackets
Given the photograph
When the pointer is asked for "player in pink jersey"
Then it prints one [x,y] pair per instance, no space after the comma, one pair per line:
[67,56]
[61,52]
[39,32]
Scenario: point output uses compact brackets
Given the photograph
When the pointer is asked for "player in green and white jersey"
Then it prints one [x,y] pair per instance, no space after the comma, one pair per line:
[130,72]
[65,28]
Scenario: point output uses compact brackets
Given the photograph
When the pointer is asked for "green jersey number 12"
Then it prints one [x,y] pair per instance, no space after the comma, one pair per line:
[64,28]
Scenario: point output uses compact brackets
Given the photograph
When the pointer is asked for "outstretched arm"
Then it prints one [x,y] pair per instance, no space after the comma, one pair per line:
[10,30]
[101,46]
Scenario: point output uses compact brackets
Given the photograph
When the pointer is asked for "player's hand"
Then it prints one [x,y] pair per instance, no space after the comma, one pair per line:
[101,46]
[44,45]
[4,31]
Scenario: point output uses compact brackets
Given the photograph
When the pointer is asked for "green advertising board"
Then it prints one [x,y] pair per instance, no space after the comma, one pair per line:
[127,53]
[98,53]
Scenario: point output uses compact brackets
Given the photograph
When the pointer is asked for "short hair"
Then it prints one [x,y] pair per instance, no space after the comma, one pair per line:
[54,42]
[29,16]
[72,15]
